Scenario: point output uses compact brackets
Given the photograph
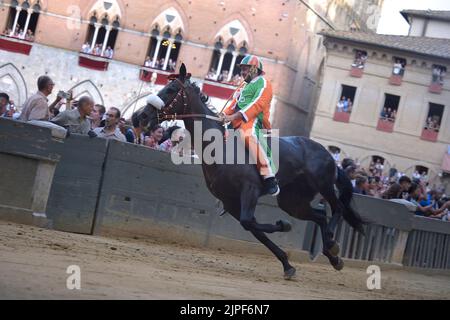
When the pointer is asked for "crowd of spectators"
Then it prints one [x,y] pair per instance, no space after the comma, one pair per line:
[19,33]
[438,74]
[360,59]
[388,114]
[412,191]
[159,64]
[83,116]
[433,123]
[235,80]
[344,105]
[97,50]
[399,68]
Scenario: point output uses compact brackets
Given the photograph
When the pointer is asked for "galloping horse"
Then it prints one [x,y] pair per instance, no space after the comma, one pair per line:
[305,169]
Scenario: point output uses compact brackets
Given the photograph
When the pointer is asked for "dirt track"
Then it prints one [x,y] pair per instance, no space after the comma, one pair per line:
[33,264]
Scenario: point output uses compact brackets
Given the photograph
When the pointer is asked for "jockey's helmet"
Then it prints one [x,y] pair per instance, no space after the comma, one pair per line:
[251,60]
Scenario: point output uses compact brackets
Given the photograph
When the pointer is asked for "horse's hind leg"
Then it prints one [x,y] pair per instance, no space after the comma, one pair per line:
[299,207]
[247,219]
[329,194]
[330,247]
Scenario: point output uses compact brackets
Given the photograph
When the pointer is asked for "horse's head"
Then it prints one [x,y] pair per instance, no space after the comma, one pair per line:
[170,101]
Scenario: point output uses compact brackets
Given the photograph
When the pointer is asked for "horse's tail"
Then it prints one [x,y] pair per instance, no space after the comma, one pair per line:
[345,188]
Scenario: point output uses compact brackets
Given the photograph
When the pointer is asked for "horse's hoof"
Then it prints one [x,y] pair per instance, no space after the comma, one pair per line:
[339,265]
[289,274]
[285,225]
[335,249]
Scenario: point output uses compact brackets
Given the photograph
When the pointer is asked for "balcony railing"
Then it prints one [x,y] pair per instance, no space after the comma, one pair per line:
[429,135]
[396,79]
[435,87]
[146,74]
[93,62]
[341,116]
[218,89]
[385,125]
[356,72]
[15,45]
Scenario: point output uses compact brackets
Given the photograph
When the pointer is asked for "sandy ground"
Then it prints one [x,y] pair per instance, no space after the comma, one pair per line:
[34,261]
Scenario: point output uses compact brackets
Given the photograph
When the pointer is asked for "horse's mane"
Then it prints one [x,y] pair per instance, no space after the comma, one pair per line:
[204,98]
[204,101]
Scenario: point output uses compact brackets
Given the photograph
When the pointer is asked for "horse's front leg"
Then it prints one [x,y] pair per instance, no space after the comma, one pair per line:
[248,221]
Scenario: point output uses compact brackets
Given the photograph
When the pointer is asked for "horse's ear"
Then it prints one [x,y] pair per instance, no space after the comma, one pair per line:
[183,72]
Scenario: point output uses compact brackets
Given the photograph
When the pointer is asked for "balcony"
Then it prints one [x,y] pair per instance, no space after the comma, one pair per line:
[385,125]
[341,116]
[93,62]
[396,80]
[435,87]
[146,74]
[218,89]
[356,72]
[429,135]
[15,45]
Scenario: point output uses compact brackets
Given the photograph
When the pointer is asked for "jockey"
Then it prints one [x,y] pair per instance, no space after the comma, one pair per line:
[249,113]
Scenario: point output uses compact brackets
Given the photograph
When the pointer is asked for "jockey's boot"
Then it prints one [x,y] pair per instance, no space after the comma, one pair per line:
[271,186]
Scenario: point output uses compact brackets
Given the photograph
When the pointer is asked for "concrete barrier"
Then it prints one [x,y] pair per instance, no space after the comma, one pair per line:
[114,188]
[75,190]
[27,165]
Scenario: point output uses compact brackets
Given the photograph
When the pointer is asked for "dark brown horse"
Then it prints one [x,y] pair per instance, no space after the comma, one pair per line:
[305,169]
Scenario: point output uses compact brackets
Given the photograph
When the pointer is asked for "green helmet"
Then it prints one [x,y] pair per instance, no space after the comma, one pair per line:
[251,60]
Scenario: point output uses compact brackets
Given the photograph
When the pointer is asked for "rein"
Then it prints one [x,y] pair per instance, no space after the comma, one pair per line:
[181,95]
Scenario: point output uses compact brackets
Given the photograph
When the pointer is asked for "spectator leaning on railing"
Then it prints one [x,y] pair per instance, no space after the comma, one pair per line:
[396,190]
[111,130]
[153,139]
[4,101]
[36,107]
[76,120]
[97,116]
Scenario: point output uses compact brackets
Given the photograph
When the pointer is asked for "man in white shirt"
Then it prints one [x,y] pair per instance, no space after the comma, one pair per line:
[86,48]
[111,130]
[109,53]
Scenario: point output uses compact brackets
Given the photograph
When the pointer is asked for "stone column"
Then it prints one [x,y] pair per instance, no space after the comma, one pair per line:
[105,42]
[97,28]
[219,67]
[16,19]
[233,64]
[169,49]
[158,46]
[27,23]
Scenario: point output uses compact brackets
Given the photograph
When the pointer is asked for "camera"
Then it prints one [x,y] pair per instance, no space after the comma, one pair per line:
[65,95]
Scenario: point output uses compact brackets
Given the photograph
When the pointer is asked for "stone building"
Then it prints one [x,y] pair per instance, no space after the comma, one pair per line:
[100,48]
[386,98]
[428,23]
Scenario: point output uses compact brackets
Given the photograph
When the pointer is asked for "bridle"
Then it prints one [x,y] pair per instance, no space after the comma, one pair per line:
[166,112]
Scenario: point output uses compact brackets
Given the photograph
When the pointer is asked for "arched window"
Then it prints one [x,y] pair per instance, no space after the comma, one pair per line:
[166,40]
[229,49]
[103,29]
[22,20]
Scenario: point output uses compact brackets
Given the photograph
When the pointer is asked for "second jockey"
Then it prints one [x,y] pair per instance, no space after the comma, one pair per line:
[249,113]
